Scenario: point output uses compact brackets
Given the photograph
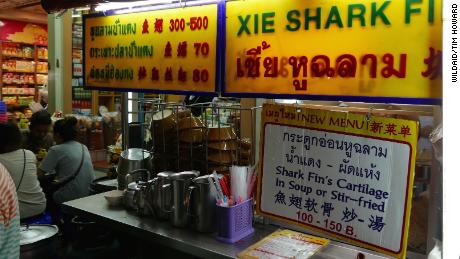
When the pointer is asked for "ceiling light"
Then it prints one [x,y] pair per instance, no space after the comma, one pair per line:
[86,8]
[165,6]
[122,5]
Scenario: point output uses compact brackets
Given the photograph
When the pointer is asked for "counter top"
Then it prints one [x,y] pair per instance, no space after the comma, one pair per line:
[95,207]
[186,240]
[110,183]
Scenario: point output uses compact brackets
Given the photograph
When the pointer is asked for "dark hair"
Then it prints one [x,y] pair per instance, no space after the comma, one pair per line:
[40,118]
[67,128]
[10,138]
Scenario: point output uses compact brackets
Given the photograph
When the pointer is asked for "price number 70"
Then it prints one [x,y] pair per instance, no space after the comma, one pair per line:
[201,48]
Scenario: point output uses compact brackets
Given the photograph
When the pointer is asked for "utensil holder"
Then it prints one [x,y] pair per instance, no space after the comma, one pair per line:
[234,223]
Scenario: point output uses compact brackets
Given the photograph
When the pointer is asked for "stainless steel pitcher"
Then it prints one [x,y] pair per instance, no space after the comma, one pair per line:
[160,194]
[203,205]
[179,188]
[134,191]
[144,198]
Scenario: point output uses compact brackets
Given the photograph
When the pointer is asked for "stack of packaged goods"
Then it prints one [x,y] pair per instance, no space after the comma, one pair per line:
[3,115]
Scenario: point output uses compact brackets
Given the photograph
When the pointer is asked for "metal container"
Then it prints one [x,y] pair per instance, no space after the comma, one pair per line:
[179,188]
[87,234]
[160,194]
[128,196]
[38,241]
[132,194]
[203,206]
[144,199]
[130,160]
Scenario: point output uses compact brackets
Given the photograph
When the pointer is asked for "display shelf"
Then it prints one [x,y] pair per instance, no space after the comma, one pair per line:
[17,95]
[21,94]
[18,58]
[17,55]
[19,72]
[5,84]
[81,99]
[17,106]
[20,44]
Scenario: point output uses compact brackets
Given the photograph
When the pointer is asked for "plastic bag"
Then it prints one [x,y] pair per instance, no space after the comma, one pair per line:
[436,139]
[436,252]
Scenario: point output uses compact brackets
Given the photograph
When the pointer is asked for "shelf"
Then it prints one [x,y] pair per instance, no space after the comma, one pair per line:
[17,43]
[17,57]
[106,95]
[24,43]
[24,72]
[16,106]
[18,72]
[16,84]
[19,94]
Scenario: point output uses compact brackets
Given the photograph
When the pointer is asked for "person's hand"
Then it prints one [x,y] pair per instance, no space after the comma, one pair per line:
[40,173]
[35,107]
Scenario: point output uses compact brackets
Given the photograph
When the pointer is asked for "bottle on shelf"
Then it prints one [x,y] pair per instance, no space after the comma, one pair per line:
[117,104]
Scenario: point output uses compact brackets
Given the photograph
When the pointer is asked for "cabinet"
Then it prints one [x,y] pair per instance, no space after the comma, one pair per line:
[111,100]
[81,98]
[23,67]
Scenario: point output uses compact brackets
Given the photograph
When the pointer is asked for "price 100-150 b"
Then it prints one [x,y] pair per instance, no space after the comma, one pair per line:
[328,224]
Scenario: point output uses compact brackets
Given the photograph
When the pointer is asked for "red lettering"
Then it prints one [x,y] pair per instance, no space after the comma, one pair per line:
[182,75]
[389,69]
[168,74]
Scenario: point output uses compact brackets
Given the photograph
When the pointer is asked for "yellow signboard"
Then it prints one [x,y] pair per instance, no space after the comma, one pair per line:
[347,175]
[324,48]
[170,50]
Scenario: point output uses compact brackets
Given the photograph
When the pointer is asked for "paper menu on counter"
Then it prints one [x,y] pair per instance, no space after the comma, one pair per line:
[285,244]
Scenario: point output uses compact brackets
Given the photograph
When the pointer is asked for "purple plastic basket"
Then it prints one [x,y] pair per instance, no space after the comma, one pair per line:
[234,223]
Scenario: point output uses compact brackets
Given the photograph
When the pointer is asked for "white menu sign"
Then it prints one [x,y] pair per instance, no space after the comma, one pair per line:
[346,184]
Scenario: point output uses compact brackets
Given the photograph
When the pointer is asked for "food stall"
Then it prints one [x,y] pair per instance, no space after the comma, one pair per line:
[345,164]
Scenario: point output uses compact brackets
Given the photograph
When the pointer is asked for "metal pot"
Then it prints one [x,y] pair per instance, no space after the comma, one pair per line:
[130,160]
[38,241]
[87,234]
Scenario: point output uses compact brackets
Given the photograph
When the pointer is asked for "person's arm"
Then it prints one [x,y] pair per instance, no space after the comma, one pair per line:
[40,173]
[49,163]
[29,153]
[9,212]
